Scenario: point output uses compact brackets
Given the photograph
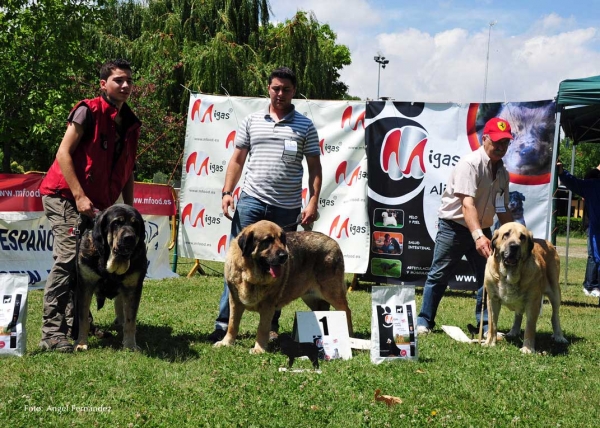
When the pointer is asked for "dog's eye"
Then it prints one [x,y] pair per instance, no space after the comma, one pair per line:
[522,238]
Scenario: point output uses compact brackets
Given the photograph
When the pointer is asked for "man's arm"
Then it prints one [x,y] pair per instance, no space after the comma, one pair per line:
[232,176]
[64,157]
[482,243]
[315,178]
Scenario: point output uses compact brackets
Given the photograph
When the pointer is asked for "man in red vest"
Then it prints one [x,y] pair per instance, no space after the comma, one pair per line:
[93,167]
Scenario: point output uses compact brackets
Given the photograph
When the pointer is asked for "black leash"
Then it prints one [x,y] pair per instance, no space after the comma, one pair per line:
[81,225]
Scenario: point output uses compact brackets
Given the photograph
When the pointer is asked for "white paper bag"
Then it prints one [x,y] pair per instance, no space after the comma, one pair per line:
[13,314]
[393,323]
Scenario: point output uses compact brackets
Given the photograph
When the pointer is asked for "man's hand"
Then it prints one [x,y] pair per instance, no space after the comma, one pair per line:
[484,246]
[85,206]
[226,204]
[559,167]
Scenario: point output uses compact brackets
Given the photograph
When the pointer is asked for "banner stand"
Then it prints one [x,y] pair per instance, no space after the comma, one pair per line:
[196,268]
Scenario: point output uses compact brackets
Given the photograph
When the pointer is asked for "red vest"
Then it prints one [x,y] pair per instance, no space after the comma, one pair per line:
[101,181]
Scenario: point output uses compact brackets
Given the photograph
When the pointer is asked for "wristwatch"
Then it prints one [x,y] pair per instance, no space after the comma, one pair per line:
[225,194]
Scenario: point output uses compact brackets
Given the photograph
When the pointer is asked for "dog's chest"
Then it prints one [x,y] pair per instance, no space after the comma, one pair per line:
[511,296]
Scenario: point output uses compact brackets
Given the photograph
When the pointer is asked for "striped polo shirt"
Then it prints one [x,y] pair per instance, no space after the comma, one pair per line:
[275,152]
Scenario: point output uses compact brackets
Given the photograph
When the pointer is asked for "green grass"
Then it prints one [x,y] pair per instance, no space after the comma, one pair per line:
[180,380]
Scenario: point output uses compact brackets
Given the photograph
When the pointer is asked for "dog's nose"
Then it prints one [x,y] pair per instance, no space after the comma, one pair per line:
[282,257]
[128,240]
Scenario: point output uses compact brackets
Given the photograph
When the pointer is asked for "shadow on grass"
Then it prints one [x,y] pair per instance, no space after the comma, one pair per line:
[155,342]
[545,345]
[574,304]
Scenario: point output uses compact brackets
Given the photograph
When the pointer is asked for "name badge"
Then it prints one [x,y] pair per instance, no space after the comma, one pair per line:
[500,208]
[290,149]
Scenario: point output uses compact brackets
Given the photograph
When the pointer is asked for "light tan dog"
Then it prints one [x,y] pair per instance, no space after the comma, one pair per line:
[519,272]
[267,268]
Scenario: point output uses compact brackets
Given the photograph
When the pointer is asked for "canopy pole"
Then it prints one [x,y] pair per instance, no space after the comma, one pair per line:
[550,219]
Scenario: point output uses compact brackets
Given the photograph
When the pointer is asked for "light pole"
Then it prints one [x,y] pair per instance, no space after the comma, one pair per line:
[382,63]
[487,60]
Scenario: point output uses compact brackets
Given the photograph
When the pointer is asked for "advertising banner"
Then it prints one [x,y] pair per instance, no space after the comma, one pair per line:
[26,240]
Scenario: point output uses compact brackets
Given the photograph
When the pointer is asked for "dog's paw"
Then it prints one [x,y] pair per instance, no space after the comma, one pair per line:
[513,334]
[79,347]
[257,350]
[559,339]
[221,343]
[527,350]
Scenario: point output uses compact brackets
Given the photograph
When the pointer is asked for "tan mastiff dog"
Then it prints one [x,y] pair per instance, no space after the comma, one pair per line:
[519,272]
[267,268]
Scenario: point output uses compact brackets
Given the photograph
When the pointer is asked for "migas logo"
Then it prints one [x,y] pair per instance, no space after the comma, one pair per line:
[230,140]
[402,153]
[346,174]
[198,162]
[201,112]
[352,117]
[222,245]
[339,228]
[192,214]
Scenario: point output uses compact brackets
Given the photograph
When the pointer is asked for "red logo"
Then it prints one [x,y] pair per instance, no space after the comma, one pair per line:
[402,153]
[352,117]
[222,246]
[229,141]
[339,229]
[403,352]
[198,162]
[192,214]
[201,111]
[346,174]
[389,319]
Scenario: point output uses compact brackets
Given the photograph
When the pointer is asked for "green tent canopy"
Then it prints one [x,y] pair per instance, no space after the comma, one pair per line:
[578,102]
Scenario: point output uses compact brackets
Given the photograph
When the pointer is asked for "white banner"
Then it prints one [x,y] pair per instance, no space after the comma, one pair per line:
[211,127]
[441,134]
[26,247]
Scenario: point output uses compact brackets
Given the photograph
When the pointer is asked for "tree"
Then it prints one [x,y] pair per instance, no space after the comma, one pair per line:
[40,49]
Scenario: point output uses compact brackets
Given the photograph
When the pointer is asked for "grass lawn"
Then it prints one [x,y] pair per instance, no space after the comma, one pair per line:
[180,380]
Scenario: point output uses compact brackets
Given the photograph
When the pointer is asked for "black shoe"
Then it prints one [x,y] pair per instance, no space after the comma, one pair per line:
[217,335]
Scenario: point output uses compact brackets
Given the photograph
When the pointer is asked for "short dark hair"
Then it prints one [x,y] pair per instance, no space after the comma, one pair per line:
[592,174]
[108,67]
[283,73]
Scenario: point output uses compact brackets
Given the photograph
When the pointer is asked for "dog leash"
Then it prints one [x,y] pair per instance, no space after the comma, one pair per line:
[81,225]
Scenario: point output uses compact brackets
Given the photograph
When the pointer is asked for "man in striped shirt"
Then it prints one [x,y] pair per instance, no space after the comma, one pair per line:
[273,142]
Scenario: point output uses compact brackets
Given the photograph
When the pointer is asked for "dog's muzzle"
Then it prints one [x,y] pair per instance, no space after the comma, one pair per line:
[512,254]
[276,262]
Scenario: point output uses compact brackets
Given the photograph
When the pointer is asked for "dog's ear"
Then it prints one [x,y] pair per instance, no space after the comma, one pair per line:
[494,239]
[141,230]
[246,242]
[99,233]
[529,242]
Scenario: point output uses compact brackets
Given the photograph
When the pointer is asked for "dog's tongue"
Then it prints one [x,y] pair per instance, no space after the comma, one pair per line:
[275,271]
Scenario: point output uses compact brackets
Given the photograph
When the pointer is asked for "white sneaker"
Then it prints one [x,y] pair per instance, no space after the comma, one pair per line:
[595,292]
[421,329]
[586,292]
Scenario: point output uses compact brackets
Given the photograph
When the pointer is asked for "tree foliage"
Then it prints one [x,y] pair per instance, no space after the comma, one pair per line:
[54,48]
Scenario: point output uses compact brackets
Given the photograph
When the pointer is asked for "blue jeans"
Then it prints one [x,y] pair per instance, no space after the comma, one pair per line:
[250,210]
[591,269]
[452,242]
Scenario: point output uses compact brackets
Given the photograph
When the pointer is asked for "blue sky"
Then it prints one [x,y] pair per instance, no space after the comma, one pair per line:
[438,48]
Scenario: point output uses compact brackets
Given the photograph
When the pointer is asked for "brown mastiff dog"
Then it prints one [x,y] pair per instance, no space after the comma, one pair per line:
[519,272]
[267,268]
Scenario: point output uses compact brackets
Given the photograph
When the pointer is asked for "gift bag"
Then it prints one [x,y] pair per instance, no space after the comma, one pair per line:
[13,314]
[393,323]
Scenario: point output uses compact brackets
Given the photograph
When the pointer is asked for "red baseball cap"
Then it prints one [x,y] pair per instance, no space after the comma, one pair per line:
[497,129]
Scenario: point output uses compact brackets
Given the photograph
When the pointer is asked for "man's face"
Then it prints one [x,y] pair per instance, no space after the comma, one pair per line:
[118,86]
[281,92]
[495,149]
